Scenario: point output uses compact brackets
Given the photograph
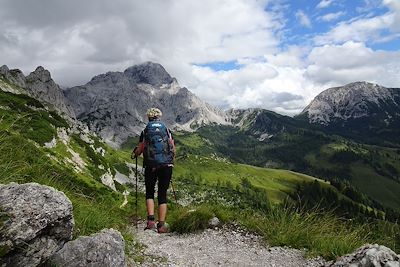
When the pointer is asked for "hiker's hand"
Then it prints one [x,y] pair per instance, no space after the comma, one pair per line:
[133,156]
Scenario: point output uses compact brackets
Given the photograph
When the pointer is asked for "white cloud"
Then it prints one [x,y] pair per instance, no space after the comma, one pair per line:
[100,36]
[332,16]
[77,40]
[303,18]
[324,3]
[366,29]
[342,64]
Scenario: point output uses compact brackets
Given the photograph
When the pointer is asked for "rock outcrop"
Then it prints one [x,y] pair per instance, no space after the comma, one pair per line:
[15,76]
[102,249]
[35,222]
[369,256]
[39,85]
[114,104]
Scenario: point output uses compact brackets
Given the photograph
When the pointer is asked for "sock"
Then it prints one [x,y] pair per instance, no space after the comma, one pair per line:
[150,218]
[160,223]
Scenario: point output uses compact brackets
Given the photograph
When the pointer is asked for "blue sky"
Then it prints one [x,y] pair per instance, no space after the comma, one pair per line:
[273,54]
[306,19]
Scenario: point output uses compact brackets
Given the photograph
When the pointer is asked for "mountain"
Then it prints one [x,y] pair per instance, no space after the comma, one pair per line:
[38,145]
[114,104]
[358,110]
[39,85]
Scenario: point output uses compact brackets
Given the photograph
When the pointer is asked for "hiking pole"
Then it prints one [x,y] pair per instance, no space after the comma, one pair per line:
[173,190]
[136,195]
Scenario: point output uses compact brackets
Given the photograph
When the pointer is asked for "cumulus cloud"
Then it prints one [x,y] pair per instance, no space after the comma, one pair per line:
[303,18]
[366,29]
[352,61]
[97,36]
[324,3]
[76,40]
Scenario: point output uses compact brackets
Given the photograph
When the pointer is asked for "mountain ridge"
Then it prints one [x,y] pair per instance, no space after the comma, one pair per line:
[114,104]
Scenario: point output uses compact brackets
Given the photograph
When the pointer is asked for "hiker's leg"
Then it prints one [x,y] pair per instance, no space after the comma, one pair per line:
[164,178]
[150,179]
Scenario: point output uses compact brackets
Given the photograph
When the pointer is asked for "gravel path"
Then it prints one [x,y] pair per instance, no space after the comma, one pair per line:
[216,247]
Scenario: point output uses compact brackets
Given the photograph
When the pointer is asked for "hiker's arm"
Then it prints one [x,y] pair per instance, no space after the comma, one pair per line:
[171,142]
[139,149]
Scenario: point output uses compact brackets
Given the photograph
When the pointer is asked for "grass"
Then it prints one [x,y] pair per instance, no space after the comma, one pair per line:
[212,171]
[257,194]
[321,234]
[24,127]
[365,178]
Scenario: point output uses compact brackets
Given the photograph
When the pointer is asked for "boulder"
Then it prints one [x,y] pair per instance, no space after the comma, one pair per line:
[214,222]
[35,222]
[102,249]
[369,256]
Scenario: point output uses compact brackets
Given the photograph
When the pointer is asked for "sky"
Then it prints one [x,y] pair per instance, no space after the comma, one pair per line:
[276,55]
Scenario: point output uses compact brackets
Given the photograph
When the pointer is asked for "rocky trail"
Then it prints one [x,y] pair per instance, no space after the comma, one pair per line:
[214,247]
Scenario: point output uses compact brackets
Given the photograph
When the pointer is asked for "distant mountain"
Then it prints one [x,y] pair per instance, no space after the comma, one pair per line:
[39,85]
[114,104]
[359,109]
[261,123]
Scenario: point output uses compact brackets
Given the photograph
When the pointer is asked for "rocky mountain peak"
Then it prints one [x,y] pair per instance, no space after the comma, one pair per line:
[114,104]
[40,74]
[351,101]
[39,85]
[15,76]
[4,69]
[149,73]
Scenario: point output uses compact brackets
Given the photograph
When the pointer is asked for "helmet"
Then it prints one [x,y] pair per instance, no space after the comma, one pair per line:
[154,113]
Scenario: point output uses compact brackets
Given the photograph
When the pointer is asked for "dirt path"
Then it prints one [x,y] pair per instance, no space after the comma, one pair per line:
[216,247]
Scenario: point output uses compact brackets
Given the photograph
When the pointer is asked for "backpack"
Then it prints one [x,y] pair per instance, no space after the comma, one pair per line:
[158,150]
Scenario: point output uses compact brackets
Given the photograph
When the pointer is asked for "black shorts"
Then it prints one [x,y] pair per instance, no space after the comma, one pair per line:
[163,175]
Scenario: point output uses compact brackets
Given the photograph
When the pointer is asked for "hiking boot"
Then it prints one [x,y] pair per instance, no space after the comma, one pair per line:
[151,225]
[162,229]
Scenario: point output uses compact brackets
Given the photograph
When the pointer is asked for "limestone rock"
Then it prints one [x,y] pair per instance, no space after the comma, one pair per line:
[114,104]
[150,73]
[35,222]
[369,256]
[214,222]
[14,76]
[102,249]
[41,86]
[352,101]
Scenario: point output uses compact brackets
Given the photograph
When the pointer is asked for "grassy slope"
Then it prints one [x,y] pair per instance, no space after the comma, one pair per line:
[367,169]
[215,171]
[24,159]
[374,170]
[25,126]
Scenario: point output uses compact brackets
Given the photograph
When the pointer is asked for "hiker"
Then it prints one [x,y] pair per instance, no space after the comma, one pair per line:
[157,145]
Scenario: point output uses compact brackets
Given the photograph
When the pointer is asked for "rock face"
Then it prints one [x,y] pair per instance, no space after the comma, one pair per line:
[261,123]
[150,73]
[353,101]
[39,85]
[114,104]
[369,256]
[14,76]
[36,221]
[361,110]
[102,249]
